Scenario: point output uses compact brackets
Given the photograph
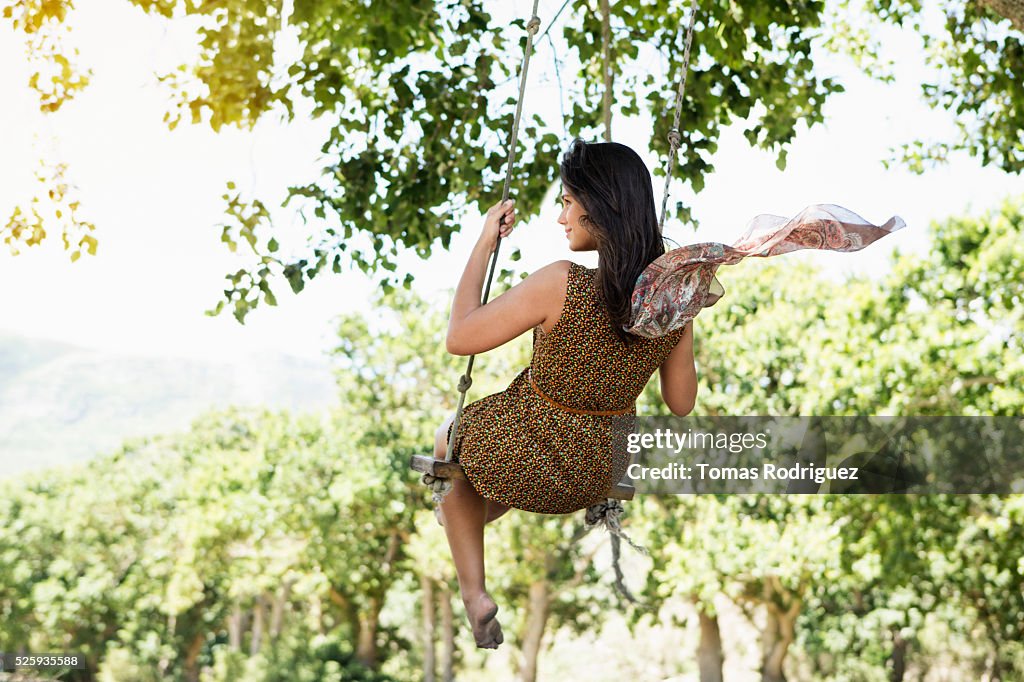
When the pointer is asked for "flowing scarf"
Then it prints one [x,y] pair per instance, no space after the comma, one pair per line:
[673,289]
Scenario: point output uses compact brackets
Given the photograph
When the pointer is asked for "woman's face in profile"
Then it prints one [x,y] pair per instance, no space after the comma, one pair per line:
[579,238]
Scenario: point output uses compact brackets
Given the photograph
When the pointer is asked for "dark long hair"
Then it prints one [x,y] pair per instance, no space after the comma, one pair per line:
[613,185]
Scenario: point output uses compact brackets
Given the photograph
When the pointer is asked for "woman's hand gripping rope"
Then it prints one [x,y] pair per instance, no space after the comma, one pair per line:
[499,221]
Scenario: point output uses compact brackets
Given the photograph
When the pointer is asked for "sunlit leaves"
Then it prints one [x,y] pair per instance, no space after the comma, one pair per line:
[234,80]
[56,76]
[54,205]
[980,67]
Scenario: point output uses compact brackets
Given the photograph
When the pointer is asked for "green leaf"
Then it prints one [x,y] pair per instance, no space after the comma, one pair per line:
[780,161]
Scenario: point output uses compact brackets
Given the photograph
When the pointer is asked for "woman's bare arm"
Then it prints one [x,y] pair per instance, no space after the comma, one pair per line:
[475,328]
[679,375]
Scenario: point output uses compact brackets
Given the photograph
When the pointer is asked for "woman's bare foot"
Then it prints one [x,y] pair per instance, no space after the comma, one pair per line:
[482,612]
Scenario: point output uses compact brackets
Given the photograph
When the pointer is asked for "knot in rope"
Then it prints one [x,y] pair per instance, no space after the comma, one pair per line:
[607,514]
[674,138]
[465,381]
[533,24]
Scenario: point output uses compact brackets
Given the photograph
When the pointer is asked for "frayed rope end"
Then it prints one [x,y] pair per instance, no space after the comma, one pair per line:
[607,514]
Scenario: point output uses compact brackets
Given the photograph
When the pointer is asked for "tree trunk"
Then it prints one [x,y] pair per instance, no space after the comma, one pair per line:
[606,42]
[279,607]
[995,667]
[1010,9]
[236,625]
[709,650]
[537,612]
[447,635]
[369,620]
[192,656]
[898,658]
[366,648]
[259,617]
[773,652]
[780,629]
[317,612]
[349,612]
[429,627]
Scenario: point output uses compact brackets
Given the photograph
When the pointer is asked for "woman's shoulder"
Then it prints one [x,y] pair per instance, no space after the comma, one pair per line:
[567,267]
[564,273]
[555,272]
[562,277]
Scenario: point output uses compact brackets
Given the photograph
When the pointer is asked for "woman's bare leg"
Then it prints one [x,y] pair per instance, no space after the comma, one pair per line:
[494,510]
[464,513]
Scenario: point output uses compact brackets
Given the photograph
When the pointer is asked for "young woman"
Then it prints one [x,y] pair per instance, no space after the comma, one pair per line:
[544,444]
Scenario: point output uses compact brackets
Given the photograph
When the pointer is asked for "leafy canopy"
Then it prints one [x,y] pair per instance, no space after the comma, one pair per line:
[420,98]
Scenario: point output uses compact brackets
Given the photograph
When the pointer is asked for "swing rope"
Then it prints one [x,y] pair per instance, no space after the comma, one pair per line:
[442,486]
[674,138]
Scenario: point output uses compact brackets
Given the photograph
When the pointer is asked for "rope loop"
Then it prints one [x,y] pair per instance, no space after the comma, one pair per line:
[674,138]
[533,25]
[440,486]
[465,381]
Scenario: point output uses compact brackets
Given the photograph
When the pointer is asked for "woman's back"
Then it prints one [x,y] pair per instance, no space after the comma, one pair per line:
[582,363]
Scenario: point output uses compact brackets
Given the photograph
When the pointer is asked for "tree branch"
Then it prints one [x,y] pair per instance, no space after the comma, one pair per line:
[1008,9]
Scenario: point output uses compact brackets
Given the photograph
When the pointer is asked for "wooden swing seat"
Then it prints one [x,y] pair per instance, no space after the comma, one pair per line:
[442,469]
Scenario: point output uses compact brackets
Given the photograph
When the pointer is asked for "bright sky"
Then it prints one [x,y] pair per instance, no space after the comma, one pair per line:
[155,195]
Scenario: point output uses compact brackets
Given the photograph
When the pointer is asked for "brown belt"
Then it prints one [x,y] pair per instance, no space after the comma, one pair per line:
[598,413]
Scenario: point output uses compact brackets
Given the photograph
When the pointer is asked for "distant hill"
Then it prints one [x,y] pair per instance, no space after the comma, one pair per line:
[60,403]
